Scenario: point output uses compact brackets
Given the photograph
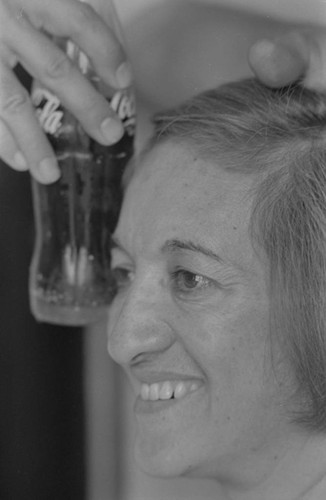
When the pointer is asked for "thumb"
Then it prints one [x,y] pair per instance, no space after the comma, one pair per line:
[296,55]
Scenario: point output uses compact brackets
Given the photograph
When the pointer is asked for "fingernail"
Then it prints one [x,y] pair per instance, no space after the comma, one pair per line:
[112,130]
[49,170]
[124,75]
[20,161]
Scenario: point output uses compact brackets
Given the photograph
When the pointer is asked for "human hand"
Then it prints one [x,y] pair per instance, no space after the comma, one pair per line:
[23,145]
[297,55]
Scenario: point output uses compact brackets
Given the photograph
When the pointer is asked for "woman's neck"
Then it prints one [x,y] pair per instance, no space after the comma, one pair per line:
[296,472]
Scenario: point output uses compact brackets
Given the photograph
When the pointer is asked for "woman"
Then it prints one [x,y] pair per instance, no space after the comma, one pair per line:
[22,40]
[219,318]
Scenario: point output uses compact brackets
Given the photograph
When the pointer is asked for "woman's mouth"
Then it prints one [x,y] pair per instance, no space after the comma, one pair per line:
[168,389]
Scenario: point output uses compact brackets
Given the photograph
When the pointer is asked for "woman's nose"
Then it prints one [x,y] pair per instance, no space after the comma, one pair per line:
[138,325]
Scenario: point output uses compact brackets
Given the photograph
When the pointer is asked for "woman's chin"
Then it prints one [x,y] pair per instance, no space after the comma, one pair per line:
[159,462]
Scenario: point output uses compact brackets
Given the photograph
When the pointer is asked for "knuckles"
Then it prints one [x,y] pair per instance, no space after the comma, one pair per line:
[84,18]
[58,67]
[14,103]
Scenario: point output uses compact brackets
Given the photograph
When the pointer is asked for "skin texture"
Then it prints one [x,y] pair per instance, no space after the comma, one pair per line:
[180,313]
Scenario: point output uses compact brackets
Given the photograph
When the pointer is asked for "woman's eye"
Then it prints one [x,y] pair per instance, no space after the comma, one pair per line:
[122,276]
[187,282]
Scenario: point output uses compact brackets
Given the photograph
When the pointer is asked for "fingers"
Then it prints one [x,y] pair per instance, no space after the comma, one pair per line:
[22,41]
[78,21]
[296,55]
[10,153]
[278,63]
[21,132]
[56,72]
[48,64]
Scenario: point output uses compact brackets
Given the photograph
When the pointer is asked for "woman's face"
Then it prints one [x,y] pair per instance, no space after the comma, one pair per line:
[189,323]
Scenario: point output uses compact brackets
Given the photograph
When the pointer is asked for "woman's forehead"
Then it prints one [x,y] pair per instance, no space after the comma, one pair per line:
[178,167]
[175,194]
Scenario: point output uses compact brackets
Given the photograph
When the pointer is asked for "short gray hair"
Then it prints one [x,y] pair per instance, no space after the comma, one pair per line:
[280,134]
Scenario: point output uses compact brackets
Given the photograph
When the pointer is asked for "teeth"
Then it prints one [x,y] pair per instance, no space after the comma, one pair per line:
[144,393]
[167,390]
[154,392]
[180,390]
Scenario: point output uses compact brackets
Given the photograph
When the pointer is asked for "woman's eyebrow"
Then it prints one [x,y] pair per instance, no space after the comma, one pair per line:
[175,245]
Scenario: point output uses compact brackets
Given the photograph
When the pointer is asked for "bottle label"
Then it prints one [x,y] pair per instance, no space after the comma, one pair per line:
[75,54]
[123,105]
[51,114]
[48,110]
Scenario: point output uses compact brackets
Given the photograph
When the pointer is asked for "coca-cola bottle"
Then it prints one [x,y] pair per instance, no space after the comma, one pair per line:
[70,279]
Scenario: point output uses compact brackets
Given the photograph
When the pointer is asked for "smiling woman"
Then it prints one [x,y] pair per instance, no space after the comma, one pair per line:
[279,137]
[219,317]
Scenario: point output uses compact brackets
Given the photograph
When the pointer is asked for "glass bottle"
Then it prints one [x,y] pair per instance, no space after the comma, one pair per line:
[70,279]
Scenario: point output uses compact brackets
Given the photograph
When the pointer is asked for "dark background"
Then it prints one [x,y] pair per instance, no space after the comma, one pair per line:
[41,370]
